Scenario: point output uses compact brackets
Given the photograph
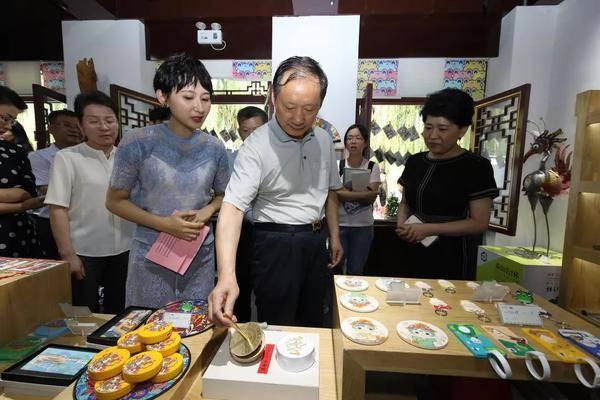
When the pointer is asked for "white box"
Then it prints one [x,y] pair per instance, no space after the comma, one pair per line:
[226,379]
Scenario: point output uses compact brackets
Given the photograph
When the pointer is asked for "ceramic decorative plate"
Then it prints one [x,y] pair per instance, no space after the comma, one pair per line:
[422,334]
[359,302]
[351,283]
[363,330]
[84,387]
[188,317]
[385,284]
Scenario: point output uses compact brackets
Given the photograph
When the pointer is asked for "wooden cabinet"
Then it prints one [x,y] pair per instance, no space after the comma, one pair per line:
[580,281]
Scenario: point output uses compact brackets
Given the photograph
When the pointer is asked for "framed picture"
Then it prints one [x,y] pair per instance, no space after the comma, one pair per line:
[130,319]
[54,364]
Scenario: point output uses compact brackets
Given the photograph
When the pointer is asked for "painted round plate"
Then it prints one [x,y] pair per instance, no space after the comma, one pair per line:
[385,284]
[364,330]
[359,302]
[84,387]
[351,283]
[188,317]
[422,334]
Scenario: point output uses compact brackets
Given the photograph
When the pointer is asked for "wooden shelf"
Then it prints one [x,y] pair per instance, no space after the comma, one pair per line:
[587,254]
[593,118]
[589,187]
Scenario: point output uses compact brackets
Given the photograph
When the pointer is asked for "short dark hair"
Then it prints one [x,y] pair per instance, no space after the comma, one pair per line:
[453,104]
[54,115]
[94,97]
[301,67]
[179,71]
[361,128]
[251,112]
[21,138]
[10,97]
[159,114]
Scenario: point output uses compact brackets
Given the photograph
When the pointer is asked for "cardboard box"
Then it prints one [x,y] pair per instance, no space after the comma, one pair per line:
[505,264]
[226,379]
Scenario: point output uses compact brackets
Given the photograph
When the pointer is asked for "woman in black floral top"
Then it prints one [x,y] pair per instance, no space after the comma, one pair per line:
[18,236]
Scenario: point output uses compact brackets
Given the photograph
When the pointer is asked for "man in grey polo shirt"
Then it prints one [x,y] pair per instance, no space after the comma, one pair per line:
[286,170]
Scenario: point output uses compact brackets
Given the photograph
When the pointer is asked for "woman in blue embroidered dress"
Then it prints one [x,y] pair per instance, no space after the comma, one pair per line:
[171,178]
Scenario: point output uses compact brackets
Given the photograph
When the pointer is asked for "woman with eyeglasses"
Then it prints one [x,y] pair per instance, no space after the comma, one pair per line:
[18,236]
[356,204]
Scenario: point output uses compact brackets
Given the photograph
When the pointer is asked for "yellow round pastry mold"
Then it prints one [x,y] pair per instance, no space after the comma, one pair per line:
[171,367]
[142,366]
[112,388]
[155,332]
[131,342]
[168,346]
[108,363]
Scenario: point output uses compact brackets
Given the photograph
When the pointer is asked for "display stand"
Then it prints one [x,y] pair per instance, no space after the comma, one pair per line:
[31,299]
[581,262]
[396,355]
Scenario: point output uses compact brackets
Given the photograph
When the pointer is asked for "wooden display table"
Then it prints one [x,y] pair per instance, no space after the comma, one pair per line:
[395,355]
[31,299]
[203,347]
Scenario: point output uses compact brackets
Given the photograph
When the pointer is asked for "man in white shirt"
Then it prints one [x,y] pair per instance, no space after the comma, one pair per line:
[286,170]
[62,125]
[91,239]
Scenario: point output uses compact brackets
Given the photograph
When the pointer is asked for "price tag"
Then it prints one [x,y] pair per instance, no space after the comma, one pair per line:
[512,314]
[178,320]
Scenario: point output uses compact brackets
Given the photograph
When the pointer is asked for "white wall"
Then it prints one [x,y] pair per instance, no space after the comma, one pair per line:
[118,49]
[19,75]
[557,50]
[333,42]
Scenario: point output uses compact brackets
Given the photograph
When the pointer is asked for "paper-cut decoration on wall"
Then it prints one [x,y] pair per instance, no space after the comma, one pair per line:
[382,73]
[467,75]
[329,128]
[375,128]
[389,131]
[251,70]
[53,76]
[225,135]
[414,135]
[379,155]
[233,135]
[389,157]
[399,159]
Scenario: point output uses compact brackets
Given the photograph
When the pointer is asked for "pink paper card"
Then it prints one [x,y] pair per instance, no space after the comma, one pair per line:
[174,253]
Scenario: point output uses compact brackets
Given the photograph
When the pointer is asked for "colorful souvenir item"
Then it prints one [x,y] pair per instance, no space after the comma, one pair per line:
[295,353]
[524,296]
[583,339]
[167,346]
[142,366]
[148,390]
[359,302]
[113,388]
[108,363]
[52,330]
[425,287]
[188,317]
[474,340]
[422,334]
[128,322]
[516,345]
[131,342]
[554,344]
[448,286]
[363,330]
[21,347]
[441,307]
[154,332]
[171,367]
[385,283]
[351,283]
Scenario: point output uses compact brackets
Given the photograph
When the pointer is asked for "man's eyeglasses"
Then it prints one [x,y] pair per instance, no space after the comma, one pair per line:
[8,120]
